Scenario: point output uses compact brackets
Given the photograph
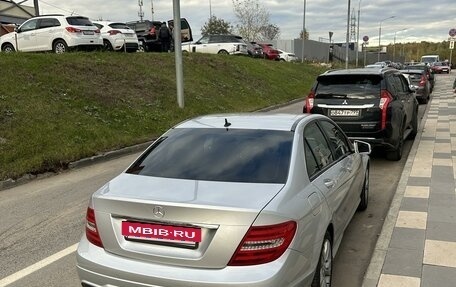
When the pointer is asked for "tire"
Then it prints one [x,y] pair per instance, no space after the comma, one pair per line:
[107,45]
[8,48]
[323,273]
[396,154]
[365,192]
[141,47]
[223,52]
[59,47]
[414,124]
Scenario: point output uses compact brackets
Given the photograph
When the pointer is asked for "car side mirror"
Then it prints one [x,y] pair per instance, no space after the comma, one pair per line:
[362,147]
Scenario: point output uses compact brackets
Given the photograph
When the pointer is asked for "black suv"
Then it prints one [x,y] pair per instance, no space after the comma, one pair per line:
[373,105]
[147,33]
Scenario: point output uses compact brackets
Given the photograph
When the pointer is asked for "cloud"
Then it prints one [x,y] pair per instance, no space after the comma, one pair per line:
[425,20]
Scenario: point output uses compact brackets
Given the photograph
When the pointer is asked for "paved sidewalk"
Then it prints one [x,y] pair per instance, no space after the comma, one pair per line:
[417,246]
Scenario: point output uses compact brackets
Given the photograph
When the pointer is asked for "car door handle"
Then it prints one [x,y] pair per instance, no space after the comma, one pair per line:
[348,168]
[329,183]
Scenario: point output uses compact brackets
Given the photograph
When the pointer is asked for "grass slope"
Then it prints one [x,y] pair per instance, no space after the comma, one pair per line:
[55,109]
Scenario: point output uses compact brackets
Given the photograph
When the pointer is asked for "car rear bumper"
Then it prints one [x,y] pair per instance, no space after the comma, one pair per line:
[97,268]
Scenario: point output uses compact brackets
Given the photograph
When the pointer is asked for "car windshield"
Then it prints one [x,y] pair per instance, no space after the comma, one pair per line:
[231,155]
[349,86]
[119,26]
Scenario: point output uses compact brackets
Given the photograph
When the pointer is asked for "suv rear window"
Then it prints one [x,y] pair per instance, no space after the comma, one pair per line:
[234,155]
[349,87]
[79,21]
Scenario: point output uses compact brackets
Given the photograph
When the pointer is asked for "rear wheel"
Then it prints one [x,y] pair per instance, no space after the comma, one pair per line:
[323,274]
[414,125]
[364,193]
[8,48]
[396,154]
[223,52]
[107,45]
[60,47]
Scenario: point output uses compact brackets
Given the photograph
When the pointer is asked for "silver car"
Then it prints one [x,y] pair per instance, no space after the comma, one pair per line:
[228,200]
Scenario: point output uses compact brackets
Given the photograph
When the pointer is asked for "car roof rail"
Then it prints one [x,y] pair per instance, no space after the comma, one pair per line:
[48,15]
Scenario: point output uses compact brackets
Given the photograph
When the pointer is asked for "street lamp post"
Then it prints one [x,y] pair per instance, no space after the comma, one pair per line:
[348,36]
[357,33]
[394,44]
[380,36]
[303,29]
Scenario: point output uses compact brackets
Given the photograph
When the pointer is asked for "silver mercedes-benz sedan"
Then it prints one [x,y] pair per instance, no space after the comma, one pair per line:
[228,200]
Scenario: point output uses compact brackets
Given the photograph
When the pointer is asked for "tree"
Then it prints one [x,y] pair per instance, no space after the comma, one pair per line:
[270,32]
[216,26]
[307,35]
[252,18]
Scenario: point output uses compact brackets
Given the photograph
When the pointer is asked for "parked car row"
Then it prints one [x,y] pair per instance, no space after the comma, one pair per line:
[59,33]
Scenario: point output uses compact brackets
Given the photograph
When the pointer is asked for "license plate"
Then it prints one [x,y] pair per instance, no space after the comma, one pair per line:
[88,32]
[149,231]
[344,113]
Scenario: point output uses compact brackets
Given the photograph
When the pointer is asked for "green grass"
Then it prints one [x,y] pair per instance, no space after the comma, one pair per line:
[55,109]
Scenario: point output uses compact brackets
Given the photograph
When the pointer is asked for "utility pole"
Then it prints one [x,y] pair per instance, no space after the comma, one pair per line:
[348,35]
[357,33]
[37,9]
[141,13]
[210,10]
[152,8]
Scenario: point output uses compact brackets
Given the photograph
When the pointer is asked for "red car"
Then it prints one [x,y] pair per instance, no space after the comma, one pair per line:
[270,52]
[440,67]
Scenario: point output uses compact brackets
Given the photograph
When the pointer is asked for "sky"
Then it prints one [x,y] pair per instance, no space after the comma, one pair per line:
[408,20]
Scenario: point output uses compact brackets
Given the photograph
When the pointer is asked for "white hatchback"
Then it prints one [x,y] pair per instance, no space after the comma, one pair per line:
[55,33]
[117,36]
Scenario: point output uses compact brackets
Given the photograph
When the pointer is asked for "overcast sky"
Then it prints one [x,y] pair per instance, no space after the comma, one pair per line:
[414,20]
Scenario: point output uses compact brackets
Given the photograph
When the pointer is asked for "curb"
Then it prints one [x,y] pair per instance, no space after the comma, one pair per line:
[10,183]
[375,266]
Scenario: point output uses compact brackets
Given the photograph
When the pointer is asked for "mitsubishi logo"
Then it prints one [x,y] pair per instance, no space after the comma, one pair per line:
[158,211]
[344,102]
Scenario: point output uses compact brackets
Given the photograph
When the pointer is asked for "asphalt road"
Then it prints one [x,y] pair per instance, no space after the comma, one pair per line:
[46,216]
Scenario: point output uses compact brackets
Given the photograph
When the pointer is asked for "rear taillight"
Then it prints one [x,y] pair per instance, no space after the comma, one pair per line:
[91,228]
[385,99]
[73,30]
[309,102]
[263,244]
[152,31]
[114,32]
[97,31]
[422,81]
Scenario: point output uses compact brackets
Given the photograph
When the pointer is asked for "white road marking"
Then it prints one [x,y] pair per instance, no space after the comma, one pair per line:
[37,266]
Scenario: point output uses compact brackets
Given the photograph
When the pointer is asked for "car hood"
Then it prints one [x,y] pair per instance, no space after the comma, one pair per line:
[250,196]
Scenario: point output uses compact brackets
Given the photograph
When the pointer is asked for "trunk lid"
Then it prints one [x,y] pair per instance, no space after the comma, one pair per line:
[221,212]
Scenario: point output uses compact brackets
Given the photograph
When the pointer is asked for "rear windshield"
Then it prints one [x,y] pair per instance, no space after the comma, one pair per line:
[79,21]
[233,155]
[349,87]
[119,26]
[414,77]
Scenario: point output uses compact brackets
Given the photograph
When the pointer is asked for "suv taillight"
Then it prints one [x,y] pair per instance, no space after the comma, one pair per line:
[114,32]
[152,31]
[422,81]
[91,228]
[385,99]
[309,102]
[73,30]
[263,244]
[97,31]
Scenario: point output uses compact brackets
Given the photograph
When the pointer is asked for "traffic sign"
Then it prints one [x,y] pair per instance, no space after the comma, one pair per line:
[451,45]
[452,32]
[366,38]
